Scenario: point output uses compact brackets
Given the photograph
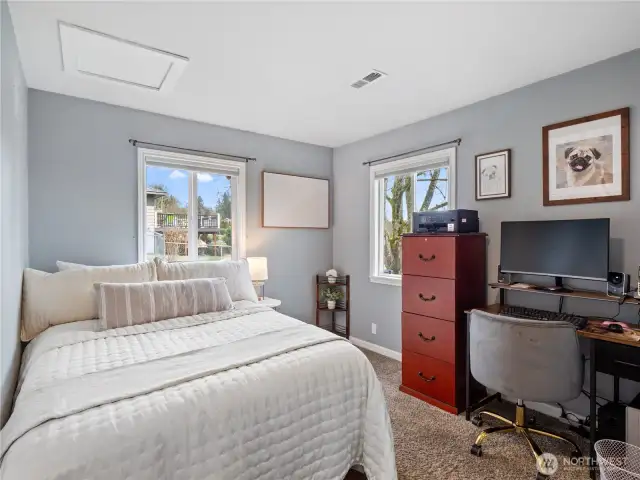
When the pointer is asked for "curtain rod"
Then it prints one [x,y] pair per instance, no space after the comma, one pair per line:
[135,143]
[457,141]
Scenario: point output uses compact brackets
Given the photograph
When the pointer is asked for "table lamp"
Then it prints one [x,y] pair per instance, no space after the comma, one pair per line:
[258,271]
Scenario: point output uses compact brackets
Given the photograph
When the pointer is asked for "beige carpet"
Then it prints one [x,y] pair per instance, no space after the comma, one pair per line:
[432,444]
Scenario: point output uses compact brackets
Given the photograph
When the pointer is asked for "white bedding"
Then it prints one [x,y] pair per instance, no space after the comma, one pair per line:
[239,395]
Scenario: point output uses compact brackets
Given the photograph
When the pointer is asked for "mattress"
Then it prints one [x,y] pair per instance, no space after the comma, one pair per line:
[244,394]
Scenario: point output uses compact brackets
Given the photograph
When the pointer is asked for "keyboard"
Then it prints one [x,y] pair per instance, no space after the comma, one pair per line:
[534,314]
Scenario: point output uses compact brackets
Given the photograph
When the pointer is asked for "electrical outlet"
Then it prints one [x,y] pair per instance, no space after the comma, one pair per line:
[374,327]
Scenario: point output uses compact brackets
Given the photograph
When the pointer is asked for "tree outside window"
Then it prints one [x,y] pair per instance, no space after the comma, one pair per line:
[404,194]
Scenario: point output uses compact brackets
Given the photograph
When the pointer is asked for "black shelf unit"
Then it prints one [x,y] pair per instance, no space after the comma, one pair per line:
[342,306]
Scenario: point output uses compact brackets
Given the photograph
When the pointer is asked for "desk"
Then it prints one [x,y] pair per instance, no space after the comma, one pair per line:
[584,294]
[599,338]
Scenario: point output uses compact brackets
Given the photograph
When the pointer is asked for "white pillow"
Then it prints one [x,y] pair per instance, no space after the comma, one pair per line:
[69,296]
[63,266]
[236,272]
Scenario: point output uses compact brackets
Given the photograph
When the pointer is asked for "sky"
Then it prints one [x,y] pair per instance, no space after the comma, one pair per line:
[177,183]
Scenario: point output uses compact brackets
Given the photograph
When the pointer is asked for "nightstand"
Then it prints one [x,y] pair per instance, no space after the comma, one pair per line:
[270,302]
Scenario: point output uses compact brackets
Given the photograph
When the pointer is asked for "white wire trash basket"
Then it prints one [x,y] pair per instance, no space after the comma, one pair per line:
[618,460]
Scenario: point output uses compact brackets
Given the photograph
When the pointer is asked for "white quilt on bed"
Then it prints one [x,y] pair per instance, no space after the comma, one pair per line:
[239,395]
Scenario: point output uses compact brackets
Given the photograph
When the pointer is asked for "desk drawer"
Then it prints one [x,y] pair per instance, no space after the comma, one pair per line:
[427,375]
[429,256]
[617,359]
[429,336]
[432,297]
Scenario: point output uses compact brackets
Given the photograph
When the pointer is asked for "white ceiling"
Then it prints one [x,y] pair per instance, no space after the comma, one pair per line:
[285,69]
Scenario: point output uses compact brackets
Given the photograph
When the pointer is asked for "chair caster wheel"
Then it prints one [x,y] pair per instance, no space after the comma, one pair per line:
[575,455]
[477,421]
[541,476]
[476,450]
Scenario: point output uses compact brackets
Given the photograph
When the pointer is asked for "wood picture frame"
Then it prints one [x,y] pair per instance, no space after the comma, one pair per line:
[493,175]
[586,160]
[295,201]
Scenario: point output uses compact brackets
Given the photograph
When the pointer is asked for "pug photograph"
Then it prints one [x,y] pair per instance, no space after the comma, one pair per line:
[585,162]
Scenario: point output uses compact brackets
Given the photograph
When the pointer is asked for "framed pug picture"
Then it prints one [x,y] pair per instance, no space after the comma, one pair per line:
[493,175]
[586,160]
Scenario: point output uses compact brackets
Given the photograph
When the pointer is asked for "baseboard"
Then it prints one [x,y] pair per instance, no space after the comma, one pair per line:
[387,352]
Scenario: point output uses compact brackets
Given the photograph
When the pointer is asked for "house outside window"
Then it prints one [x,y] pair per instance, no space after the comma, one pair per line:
[419,183]
[190,207]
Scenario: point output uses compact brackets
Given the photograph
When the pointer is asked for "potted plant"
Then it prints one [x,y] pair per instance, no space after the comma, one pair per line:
[331,276]
[331,295]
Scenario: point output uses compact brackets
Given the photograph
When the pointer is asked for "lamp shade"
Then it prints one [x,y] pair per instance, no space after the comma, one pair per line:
[258,268]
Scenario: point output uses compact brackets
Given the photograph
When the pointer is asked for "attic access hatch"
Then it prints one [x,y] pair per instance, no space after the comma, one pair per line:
[98,55]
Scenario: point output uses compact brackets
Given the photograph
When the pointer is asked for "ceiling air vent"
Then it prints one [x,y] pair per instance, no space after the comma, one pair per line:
[369,78]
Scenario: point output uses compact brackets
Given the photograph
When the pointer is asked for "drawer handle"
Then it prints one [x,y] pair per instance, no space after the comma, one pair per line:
[425,339]
[426,379]
[425,299]
[425,259]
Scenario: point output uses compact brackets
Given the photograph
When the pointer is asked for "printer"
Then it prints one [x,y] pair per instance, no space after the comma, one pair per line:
[446,221]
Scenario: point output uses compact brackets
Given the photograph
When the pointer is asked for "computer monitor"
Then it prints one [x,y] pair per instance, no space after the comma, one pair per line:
[558,248]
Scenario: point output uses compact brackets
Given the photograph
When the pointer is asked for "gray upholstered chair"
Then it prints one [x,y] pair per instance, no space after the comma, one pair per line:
[538,361]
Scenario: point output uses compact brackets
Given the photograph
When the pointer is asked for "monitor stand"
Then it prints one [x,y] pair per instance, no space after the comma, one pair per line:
[557,288]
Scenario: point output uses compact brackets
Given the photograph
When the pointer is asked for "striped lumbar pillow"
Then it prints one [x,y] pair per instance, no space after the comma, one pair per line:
[123,304]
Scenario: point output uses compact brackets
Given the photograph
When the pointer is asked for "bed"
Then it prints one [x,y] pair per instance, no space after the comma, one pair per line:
[243,394]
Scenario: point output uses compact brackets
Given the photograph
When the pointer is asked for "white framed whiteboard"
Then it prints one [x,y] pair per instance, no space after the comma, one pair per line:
[291,201]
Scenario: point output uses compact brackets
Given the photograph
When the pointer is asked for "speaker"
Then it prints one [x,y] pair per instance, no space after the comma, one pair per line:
[617,284]
[612,421]
[503,277]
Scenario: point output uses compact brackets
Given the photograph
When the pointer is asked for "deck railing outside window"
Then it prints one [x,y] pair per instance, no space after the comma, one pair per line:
[181,220]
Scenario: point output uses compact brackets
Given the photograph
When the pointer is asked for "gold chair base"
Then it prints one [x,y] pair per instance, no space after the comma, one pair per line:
[520,427]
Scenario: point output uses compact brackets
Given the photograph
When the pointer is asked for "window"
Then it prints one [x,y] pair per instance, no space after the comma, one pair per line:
[420,183]
[190,207]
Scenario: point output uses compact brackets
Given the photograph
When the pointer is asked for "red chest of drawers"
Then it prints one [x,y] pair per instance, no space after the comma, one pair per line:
[442,276]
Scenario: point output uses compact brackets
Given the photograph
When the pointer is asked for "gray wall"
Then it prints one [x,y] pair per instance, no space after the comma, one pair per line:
[83,189]
[513,120]
[13,207]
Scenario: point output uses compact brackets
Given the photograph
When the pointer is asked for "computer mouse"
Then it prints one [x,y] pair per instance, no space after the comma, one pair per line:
[615,328]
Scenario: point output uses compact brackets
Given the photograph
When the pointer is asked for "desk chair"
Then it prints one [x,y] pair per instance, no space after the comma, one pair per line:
[539,361]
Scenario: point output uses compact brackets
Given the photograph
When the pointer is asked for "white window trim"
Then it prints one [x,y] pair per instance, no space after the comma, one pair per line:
[376,205]
[172,159]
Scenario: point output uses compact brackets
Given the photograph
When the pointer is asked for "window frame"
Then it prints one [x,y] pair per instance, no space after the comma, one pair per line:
[238,172]
[376,203]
